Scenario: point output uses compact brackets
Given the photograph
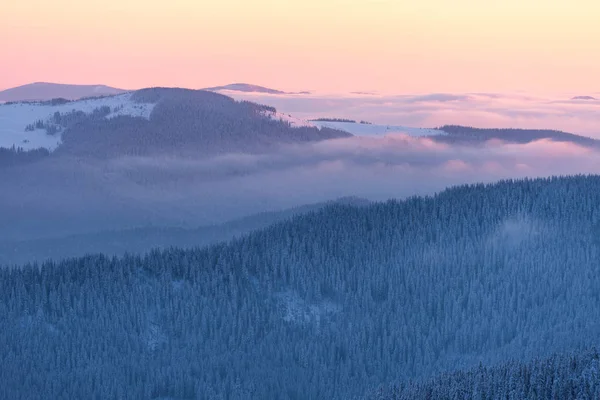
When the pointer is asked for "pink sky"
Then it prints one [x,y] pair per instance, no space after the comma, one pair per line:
[391,46]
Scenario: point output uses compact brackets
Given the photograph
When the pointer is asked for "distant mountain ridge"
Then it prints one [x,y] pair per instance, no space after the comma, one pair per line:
[187,121]
[583,98]
[143,240]
[248,88]
[39,91]
[458,134]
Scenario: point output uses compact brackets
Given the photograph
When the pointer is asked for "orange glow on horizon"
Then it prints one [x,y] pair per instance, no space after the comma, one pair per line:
[326,45]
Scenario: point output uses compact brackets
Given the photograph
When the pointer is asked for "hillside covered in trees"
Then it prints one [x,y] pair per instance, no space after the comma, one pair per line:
[328,305]
[568,376]
[186,122]
[143,239]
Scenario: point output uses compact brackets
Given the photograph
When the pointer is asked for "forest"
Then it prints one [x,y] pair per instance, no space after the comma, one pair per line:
[332,304]
[13,156]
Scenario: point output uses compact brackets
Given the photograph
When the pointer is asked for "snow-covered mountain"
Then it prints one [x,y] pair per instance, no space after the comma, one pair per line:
[16,117]
[355,128]
[362,129]
[46,91]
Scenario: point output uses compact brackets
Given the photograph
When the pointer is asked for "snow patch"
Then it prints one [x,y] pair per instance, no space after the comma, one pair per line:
[354,128]
[359,129]
[154,336]
[293,121]
[14,117]
[295,309]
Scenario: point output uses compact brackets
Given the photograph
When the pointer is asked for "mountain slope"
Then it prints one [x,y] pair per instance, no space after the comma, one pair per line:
[328,305]
[362,129]
[31,125]
[142,240]
[156,121]
[47,91]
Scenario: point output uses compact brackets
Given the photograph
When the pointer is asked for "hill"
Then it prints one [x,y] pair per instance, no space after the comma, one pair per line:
[46,91]
[150,121]
[457,134]
[143,240]
[329,305]
[370,129]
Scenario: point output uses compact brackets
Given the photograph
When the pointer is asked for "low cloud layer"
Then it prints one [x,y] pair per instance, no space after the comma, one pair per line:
[484,110]
[62,197]
[378,168]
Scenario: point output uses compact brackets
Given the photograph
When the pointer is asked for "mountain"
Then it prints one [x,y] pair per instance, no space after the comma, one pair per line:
[454,134]
[143,240]
[369,129]
[150,121]
[328,305]
[583,98]
[457,134]
[47,91]
[154,157]
[245,87]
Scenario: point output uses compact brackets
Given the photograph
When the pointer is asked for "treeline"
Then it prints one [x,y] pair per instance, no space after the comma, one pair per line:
[329,305]
[60,121]
[573,376]
[18,156]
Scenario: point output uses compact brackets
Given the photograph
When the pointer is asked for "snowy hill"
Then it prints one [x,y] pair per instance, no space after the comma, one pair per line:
[355,128]
[15,117]
[47,91]
[359,129]
[293,121]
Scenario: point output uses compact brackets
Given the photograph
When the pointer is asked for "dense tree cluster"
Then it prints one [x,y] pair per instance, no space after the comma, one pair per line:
[329,305]
[566,376]
[60,121]
[467,134]
[17,156]
[187,122]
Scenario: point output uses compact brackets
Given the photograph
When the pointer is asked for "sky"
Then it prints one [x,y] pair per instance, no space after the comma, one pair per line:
[388,46]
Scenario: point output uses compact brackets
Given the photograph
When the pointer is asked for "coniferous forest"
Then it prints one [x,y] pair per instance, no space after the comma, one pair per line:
[494,286]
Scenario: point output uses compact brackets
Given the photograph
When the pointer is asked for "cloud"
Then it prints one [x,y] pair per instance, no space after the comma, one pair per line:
[393,166]
[485,110]
[56,198]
